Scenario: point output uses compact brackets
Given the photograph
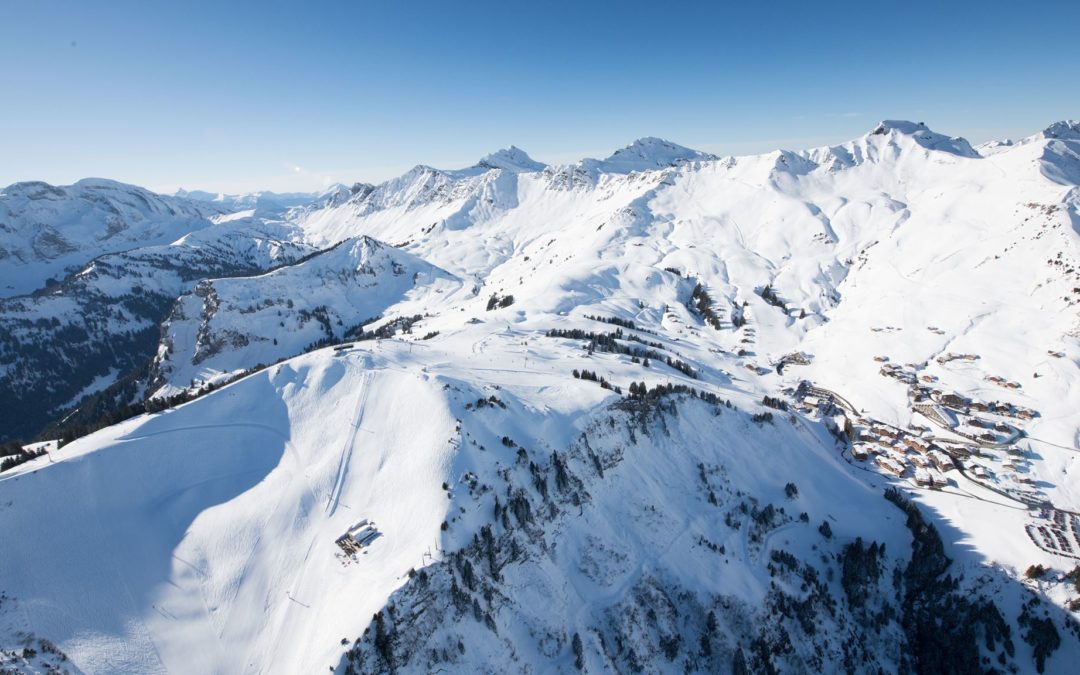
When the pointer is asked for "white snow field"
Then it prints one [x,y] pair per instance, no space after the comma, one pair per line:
[900,295]
[201,539]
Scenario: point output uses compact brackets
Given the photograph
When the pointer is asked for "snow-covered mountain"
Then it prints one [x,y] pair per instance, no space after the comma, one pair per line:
[229,325]
[47,229]
[648,154]
[102,324]
[806,411]
[259,201]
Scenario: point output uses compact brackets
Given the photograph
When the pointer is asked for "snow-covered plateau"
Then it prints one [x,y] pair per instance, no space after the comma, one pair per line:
[800,412]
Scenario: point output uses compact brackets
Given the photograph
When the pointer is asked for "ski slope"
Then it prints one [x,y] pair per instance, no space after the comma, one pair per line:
[202,539]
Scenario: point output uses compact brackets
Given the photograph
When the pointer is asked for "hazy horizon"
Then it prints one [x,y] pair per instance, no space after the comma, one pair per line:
[278,97]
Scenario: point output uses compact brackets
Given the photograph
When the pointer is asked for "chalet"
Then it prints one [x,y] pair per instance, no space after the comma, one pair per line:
[889,465]
[955,401]
[923,478]
[920,461]
[860,452]
[915,445]
[960,450]
[885,432]
[881,359]
[897,455]
[941,461]
[945,358]
[358,536]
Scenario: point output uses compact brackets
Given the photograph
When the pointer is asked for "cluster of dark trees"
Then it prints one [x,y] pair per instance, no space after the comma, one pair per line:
[738,316]
[71,432]
[593,377]
[769,295]
[608,343]
[491,401]
[639,391]
[1039,632]
[389,329]
[14,455]
[616,321]
[12,447]
[772,402]
[942,624]
[605,342]
[495,302]
[860,569]
[681,366]
[701,301]
[762,417]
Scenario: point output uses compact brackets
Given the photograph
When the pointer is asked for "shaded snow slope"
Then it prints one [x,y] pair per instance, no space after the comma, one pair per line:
[212,549]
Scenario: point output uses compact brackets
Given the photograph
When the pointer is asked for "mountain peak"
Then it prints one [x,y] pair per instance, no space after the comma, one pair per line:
[652,153]
[511,159]
[1065,130]
[902,126]
[924,136]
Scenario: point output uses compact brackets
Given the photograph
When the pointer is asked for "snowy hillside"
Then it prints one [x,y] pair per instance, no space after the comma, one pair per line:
[806,411]
[102,324]
[46,229]
[228,325]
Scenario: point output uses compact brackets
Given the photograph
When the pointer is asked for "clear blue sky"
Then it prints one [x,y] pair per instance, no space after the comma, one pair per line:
[288,95]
